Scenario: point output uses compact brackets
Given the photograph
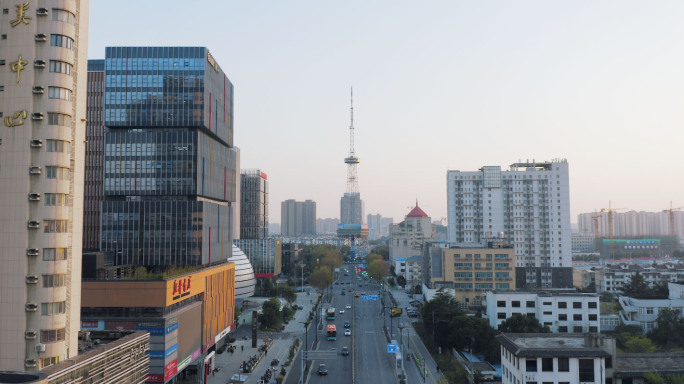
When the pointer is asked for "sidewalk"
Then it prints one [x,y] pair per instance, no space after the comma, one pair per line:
[229,363]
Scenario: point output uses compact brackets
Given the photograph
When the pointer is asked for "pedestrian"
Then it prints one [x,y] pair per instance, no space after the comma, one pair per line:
[438,368]
[243,348]
[266,351]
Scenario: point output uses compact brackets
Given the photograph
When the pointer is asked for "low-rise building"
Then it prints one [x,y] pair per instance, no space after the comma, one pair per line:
[562,312]
[611,277]
[644,312]
[563,359]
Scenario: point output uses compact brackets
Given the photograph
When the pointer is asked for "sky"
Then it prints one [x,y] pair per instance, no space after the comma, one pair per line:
[438,85]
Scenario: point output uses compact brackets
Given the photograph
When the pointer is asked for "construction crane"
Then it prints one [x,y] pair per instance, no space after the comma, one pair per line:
[610,211]
[672,211]
[595,218]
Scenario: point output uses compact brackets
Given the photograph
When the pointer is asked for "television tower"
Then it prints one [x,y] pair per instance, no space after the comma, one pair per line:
[352,160]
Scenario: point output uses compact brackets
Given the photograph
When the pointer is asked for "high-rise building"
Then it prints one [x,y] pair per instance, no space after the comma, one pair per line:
[253,204]
[170,166]
[298,218]
[408,238]
[43,58]
[94,161]
[327,225]
[378,226]
[528,206]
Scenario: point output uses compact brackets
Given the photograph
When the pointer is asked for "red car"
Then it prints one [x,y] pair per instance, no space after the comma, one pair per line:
[356,294]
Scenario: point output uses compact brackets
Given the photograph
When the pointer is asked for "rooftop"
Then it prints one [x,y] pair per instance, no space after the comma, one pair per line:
[636,364]
[417,212]
[548,344]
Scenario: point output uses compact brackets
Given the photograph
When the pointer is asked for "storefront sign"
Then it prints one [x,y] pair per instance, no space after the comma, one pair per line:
[222,334]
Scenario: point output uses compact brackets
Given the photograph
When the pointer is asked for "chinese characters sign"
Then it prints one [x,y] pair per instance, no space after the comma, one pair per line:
[16,119]
[21,15]
[181,287]
[18,66]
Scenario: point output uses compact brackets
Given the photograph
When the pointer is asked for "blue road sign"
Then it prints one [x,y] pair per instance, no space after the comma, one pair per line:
[369,297]
[391,348]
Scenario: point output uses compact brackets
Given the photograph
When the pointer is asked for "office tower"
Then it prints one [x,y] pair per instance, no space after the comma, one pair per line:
[170,166]
[298,218]
[528,206]
[94,161]
[253,204]
[43,57]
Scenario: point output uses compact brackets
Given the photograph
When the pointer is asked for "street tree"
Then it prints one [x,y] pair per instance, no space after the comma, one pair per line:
[401,281]
[270,314]
[636,287]
[321,278]
[378,269]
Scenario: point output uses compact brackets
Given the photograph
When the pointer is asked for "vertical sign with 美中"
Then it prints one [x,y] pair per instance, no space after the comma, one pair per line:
[255,318]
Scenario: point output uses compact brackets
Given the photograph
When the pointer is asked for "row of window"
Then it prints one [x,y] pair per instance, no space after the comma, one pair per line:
[61,41]
[56,226]
[58,173]
[55,199]
[61,119]
[63,15]
[531,304]
[49,309]
[52,335]
[59,93]
[51,281]
[53,145]
[61,67]
[54,254]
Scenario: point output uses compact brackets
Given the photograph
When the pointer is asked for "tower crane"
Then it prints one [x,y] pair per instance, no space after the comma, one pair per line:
[595,218]
[610,211]
[672,211]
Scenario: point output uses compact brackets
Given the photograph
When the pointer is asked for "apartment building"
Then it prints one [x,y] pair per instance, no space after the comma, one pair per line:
[611,277]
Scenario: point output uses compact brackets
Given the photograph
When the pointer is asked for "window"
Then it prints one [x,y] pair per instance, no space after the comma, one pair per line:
[49,309]
[577,304]
[547,364]
[61,67]
[52,254]
[59,119]
[546,303]
[609,362]
[2,88]
[593,317]
[593,329]
[501,315]
[51,281]
[59,93]
[563,329]
[531,365]
[58,146]
[62,41]
[562,317]
[577,329]
[515,304]
[591,304]
[562,304]
[501,304]
[56,226]
[59,173]
[55,199]
[63,15]
[563,364]
[48,361]
[586,370]
[577,317]
[51,335]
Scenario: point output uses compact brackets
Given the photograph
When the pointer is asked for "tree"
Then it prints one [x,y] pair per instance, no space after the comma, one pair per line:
[270,313]
[639,344]
[382,250]
[321,278]
[637,286]
[669,330]
[378,269]
[519,323]
[288,293]
[401,281]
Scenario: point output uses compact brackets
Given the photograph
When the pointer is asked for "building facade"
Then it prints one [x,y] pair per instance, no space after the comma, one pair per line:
[265,255]
[408,237]
[43,62]
[298,218]
[327,226]
[635,224]
[253,204]
[378,226]
[170,166]
[561,312]
[351,208]
[612,277]
[582,243]
[529,205]
[244,274]
[94,161]
[644,312]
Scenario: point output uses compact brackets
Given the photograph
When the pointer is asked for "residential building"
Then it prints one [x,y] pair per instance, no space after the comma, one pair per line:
[471,271]
[327,226]
[170,165]
[644,312]
[582,243]
[635,224]
[612,277]
[298,218]
[408,238]
[378,226]
[253,204]
[44,55]
[529,205]
[265,255]
[410,268]
[562,359]
[186,315]
[94,158]
[562,312]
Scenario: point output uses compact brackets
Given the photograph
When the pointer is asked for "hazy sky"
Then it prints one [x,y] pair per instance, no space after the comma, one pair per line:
[438,85]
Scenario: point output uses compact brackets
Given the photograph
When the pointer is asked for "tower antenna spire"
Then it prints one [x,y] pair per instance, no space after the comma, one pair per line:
[351,160]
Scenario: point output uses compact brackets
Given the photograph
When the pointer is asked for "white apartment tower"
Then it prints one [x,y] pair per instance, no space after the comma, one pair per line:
[528,205]
[43,78]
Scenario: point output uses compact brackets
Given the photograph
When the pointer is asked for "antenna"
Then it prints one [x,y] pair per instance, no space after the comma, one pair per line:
[352,160]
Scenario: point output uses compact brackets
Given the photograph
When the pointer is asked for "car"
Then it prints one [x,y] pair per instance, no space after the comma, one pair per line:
[348,306]
[341,311]
[347,332]
[322,369]
[356,294]
[343,293]
[363,292]
[345,351]
[412,314]
[349,290]
[347,324]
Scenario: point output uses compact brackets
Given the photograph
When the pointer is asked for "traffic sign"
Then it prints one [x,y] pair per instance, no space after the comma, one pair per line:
[391,348]
[369,297]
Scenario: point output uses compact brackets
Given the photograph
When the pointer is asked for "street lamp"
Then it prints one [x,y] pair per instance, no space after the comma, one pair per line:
[306,346]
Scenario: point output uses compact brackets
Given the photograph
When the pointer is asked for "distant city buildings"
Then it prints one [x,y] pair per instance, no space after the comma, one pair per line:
[378,226]
[253,204]
[297,218]
[529,206]
[583,243]
[44,52]
[635,224]
[327,226]
[612,277]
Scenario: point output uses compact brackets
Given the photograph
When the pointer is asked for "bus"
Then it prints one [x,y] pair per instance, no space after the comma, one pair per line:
[332,332]
[331,314]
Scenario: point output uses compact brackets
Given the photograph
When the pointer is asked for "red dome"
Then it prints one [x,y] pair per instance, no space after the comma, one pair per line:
[417,212]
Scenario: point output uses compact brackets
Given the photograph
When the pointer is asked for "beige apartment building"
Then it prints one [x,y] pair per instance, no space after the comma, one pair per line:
[43,68]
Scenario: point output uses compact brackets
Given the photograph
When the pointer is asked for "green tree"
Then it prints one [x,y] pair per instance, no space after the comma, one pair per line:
[653,378]
[401,281]
[637,287]
[270,314]
[382,250]
[639,344]
[378,269]
[519,323]
[321,278]
[288,293]
[669,330]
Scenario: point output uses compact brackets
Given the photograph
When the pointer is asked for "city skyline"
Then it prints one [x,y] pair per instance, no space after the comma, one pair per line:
[440,86]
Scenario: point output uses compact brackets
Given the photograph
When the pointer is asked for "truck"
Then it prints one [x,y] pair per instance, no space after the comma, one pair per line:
[332,332]
[396,312]
[331,314]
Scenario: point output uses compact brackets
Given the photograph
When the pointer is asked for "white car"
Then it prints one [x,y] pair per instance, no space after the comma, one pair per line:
[341,311]
[347,332]
[348,306]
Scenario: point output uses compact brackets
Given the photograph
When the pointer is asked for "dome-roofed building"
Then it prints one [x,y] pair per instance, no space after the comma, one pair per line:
[244,274]
[407,239]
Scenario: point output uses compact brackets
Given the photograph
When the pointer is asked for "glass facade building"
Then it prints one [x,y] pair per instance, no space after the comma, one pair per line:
[169,163]
[264,254]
